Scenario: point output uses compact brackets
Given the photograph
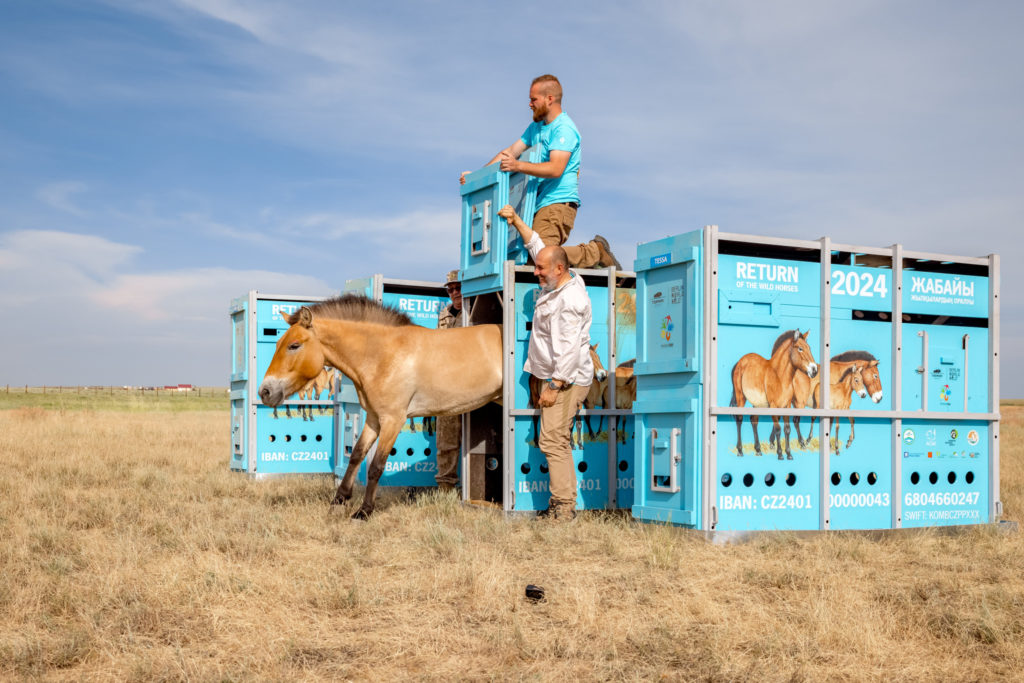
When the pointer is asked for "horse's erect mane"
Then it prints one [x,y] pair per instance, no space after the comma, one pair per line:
[850,356]
[357,307]
[783,338]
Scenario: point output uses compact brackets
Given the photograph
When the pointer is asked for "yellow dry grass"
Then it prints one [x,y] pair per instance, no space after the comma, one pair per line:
[129,552]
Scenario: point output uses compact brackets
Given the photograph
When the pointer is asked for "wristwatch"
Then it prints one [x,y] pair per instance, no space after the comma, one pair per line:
[563,387]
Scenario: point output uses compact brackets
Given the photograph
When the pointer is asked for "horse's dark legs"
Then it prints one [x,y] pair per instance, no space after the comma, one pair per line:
[849,442]
[388,433]
[363,443]
[789,454]
[739,435]
[835,429]
[799,436]
[757,442]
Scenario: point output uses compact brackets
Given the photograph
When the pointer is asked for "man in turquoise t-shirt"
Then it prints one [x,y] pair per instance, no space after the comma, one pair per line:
[558,199]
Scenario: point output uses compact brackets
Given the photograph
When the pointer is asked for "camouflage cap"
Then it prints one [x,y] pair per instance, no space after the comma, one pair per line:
[453,276]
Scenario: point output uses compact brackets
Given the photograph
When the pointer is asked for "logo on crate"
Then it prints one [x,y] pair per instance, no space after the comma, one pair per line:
[945,393]
[666,328]
[972,439]
[909,436]
[931,437]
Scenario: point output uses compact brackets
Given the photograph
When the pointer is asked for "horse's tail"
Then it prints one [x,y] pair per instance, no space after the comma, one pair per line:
[732,375]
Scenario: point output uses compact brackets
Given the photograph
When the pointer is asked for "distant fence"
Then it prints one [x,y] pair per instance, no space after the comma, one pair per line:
[190,392]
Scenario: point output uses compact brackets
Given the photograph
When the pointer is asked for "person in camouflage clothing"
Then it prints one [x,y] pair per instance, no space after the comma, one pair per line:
[449,428]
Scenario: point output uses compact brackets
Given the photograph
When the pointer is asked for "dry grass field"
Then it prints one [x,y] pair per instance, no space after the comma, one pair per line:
[128,551]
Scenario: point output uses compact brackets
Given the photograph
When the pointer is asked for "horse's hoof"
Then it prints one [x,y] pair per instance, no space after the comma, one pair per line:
[361,515]
[789,456]
[340,499]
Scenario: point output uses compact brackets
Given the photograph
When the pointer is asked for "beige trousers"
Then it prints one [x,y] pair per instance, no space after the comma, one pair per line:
[553,223]
[555,443]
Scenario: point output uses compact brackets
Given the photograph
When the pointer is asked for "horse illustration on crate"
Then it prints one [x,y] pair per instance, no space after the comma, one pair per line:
[768,383]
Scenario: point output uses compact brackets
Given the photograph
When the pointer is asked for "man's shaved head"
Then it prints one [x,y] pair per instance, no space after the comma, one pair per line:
[549,86]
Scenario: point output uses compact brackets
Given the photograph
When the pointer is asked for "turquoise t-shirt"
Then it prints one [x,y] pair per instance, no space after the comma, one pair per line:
[561,135]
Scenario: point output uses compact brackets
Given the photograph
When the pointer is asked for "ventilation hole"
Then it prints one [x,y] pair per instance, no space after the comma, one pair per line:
[287,437]
[319,437]
[726,480]
[748,479]
[854,479]
[525,469]
[872,478]
[623,465]
[409,451]
[492,464]
[544,469]
[393,451]
[951,478]
[836,479]
[273,438]
[969,477]
[302,438]
[914,478]
[933,477]
[769,479]
[582,467]
[426,451]
[790,479]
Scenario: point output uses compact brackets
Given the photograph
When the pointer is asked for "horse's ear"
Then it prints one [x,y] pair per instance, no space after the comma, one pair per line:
[305,318]
[873,364]
[593,347]
[849,369]
[805,333]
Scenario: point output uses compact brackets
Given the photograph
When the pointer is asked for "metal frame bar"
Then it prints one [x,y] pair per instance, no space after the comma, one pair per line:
[709,455]
[882,414]
[825,427]
[896,366]
[508,343]
[995,504]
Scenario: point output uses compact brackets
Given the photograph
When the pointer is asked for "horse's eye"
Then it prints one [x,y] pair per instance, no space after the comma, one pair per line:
[294,346]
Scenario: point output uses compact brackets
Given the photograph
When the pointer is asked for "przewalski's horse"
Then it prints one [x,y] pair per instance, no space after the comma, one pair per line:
[625,394]
[857,373]
[768,383]
[399,370]
[537,385]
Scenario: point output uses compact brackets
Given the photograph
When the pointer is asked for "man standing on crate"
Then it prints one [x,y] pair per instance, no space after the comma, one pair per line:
[555,135]
[449,427]
[559,355]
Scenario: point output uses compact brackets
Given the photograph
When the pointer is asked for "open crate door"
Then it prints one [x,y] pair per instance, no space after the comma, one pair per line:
[487,238]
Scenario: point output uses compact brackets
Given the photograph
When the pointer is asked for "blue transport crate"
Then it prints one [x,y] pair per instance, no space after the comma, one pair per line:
[298,436]
[742,423]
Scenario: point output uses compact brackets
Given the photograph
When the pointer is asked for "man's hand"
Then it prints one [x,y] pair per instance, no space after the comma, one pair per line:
[462,177]
[507,212]
[547,397]
[508,162]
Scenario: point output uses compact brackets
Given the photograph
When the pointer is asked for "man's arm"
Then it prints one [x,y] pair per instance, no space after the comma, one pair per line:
[509,214]
[553,168]
[512,152]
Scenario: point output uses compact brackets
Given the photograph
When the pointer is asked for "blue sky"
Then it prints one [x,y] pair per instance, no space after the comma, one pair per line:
[158,159]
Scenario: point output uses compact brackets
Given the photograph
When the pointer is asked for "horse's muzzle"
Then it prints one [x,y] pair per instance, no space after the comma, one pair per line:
[812,370]
[270,394]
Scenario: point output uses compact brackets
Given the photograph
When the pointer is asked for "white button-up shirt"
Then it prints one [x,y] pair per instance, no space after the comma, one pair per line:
[560,339]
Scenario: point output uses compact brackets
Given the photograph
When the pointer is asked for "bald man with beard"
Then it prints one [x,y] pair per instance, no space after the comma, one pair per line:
[559,356]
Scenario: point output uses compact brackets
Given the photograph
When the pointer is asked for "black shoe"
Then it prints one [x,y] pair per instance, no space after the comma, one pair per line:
[546,513]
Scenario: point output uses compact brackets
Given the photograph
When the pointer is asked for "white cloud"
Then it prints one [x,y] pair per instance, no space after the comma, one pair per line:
[59,196]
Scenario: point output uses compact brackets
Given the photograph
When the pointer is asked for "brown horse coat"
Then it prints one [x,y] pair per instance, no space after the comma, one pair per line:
[399,370]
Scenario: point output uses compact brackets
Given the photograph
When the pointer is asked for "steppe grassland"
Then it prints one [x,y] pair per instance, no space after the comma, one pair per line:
[128,551]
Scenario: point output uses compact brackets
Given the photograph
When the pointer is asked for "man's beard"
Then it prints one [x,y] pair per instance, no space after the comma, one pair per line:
[548,285]
[539,113]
